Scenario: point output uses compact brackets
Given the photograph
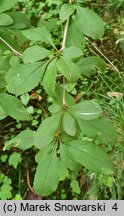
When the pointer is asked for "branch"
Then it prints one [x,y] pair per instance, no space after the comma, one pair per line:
[65,31]
[14,51]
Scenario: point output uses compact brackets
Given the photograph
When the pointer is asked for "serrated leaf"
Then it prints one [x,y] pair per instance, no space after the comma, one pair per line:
[49,80]
[89,23]
[5,19]
[66,11]
[35,53]
[20,21]
[5,192]
[72,52]
[65,155]
[86,110]
[46,177]
[23,140]
[6,5]
[74,36]
[2,113]
[13,107]
[44,153]
[91,156]
[90,65]
[100,129]
[39,34]
[15,159]
[68,68]
[46,131]
[62,169]
[69,124]
[23,78]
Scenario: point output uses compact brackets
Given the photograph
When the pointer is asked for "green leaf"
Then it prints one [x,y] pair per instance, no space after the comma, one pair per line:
[6,5]
[9,39]
[62,169]
[91,156]
[23,78]
[72,52]
[39,34]
[100,129]
[5,192]
[5,19]
[46,177]
[69,161]
[46,131]
[25,98]
[49,81]
[2,113]
[23,140]
[13,107]
[35,53]
[44,153]
[59,97]
[86,110]
[68,68]
[89,23]
[74,36]
[4,63]
[15,159]
[20,21]
[75,187]
[54,108]
[66,11]
[90,65]
[69,124]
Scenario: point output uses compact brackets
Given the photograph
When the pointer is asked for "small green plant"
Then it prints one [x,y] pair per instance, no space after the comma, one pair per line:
[74,133]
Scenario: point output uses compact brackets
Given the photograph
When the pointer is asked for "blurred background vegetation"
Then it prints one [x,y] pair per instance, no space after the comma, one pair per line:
[107,89]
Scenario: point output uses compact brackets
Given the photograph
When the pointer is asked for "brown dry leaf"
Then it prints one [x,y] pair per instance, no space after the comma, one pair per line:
[115,94]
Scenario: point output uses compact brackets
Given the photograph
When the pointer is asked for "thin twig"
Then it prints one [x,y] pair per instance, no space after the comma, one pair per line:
[115,68]
[29,184]
[14,51]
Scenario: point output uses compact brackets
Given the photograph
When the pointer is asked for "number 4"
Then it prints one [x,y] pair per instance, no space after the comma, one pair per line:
[115,207]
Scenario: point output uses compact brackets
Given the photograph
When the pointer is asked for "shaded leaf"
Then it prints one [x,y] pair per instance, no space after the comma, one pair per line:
[72,52]
[35,53]
[46,177]
[5,19]
[69,69]
[65,11]
[2,113]
[89,23]
[39,34]
[23,78]
[6,5]
[69,124]
[23,140]
[13,107]
[74,36]
[86,110]
[90,65]
[9,39]
[46,131]
[20,21]
[49,80]
[91,156]
[100,129]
